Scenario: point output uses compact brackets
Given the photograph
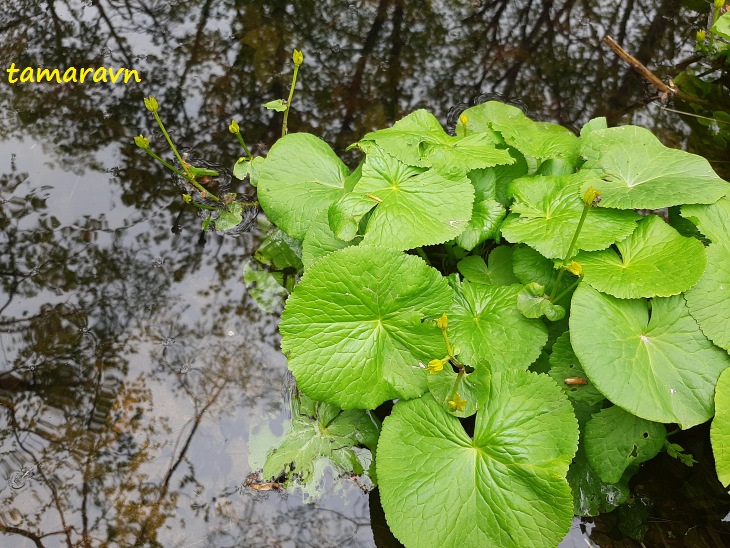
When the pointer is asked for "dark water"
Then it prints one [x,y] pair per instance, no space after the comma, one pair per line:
[134,368]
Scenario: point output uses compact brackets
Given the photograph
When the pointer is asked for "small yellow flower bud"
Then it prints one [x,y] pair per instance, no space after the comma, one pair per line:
[457,404]
[233,128]
[701,35]
[592,197]
[575,267]
[142,142]
[463,119]
[719,4]
[151,104]
[443,322]
[297,57]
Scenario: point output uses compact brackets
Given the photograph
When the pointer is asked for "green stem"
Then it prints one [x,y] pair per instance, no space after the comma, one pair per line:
[457,382]
[568,255]
[164,163]
[172,146]
[288,102]
[245,148]
[564,293]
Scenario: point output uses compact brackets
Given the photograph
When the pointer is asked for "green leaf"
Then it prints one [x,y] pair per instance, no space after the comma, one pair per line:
[473,387]
[280,251]
[485,324]
[353,331]
[593,124]
[546,213]
[277,105]
[722,26]
[529,266]
[406,138]
[347,212]
[565,365]
[493,183]
[202,172]
[230,217]
[497,272]
[300,177]
[532,302]
[241,169]
[416,208]
[591,495]
[646,264]
[476,151]
[505,487]
[712,220]
[320,240]
[485,220]
[658,366]
[720,430]
[639,172]
[266,292]
[709,300]
[540,140]
[615,439]
[319,431]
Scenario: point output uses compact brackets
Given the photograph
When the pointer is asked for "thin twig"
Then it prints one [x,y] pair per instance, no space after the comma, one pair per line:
[663,88]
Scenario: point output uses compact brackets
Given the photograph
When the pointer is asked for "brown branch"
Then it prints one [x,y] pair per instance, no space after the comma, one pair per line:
[665,90]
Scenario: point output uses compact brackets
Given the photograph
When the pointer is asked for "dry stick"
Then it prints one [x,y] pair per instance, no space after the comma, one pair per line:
[664,89]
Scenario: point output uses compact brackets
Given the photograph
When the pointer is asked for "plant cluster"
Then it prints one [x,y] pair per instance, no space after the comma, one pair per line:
[541,305]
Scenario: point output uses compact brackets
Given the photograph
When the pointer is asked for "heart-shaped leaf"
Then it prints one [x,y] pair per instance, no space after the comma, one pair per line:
[353,331]
[320,240]
[532,302]
[300,177]
[658,366]
[639,172]
[709,300]
[504,487]
[646,264]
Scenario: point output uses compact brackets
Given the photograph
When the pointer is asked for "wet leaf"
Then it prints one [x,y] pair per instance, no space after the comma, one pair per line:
[353,331]
[504,487]
[657,366]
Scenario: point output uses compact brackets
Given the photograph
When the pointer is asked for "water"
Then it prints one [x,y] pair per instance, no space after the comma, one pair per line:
[134,367]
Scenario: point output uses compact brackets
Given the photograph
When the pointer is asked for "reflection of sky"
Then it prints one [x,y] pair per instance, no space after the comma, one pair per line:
[99,298]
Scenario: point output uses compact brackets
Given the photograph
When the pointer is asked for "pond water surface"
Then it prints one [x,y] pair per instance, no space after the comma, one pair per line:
[134,367]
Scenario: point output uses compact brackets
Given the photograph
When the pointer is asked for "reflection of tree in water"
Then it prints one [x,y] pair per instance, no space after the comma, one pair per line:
[121,387]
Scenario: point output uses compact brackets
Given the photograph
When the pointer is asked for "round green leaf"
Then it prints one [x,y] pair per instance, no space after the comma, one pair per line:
[353,331]
[485,324]
[485,220]
[506,487]
[415,208]
[654,261]
[639,172]
[658,366]
[615,439]
[529,266]
[546,213]
[709,300]
[300,177]
[720,430]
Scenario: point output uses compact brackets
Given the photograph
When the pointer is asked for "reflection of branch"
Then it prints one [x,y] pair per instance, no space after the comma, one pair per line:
[664,89]
[152,518]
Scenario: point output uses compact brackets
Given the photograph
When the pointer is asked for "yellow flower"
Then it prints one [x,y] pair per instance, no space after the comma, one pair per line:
[297,57]
[701,35]
[575,267]
[443,322]
[592,197]
[233,128]
[436,366]
[457,404]
[151,104]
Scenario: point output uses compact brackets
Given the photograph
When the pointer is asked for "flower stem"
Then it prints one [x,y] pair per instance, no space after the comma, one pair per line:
[584,214]
[288,102]
[243,144]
